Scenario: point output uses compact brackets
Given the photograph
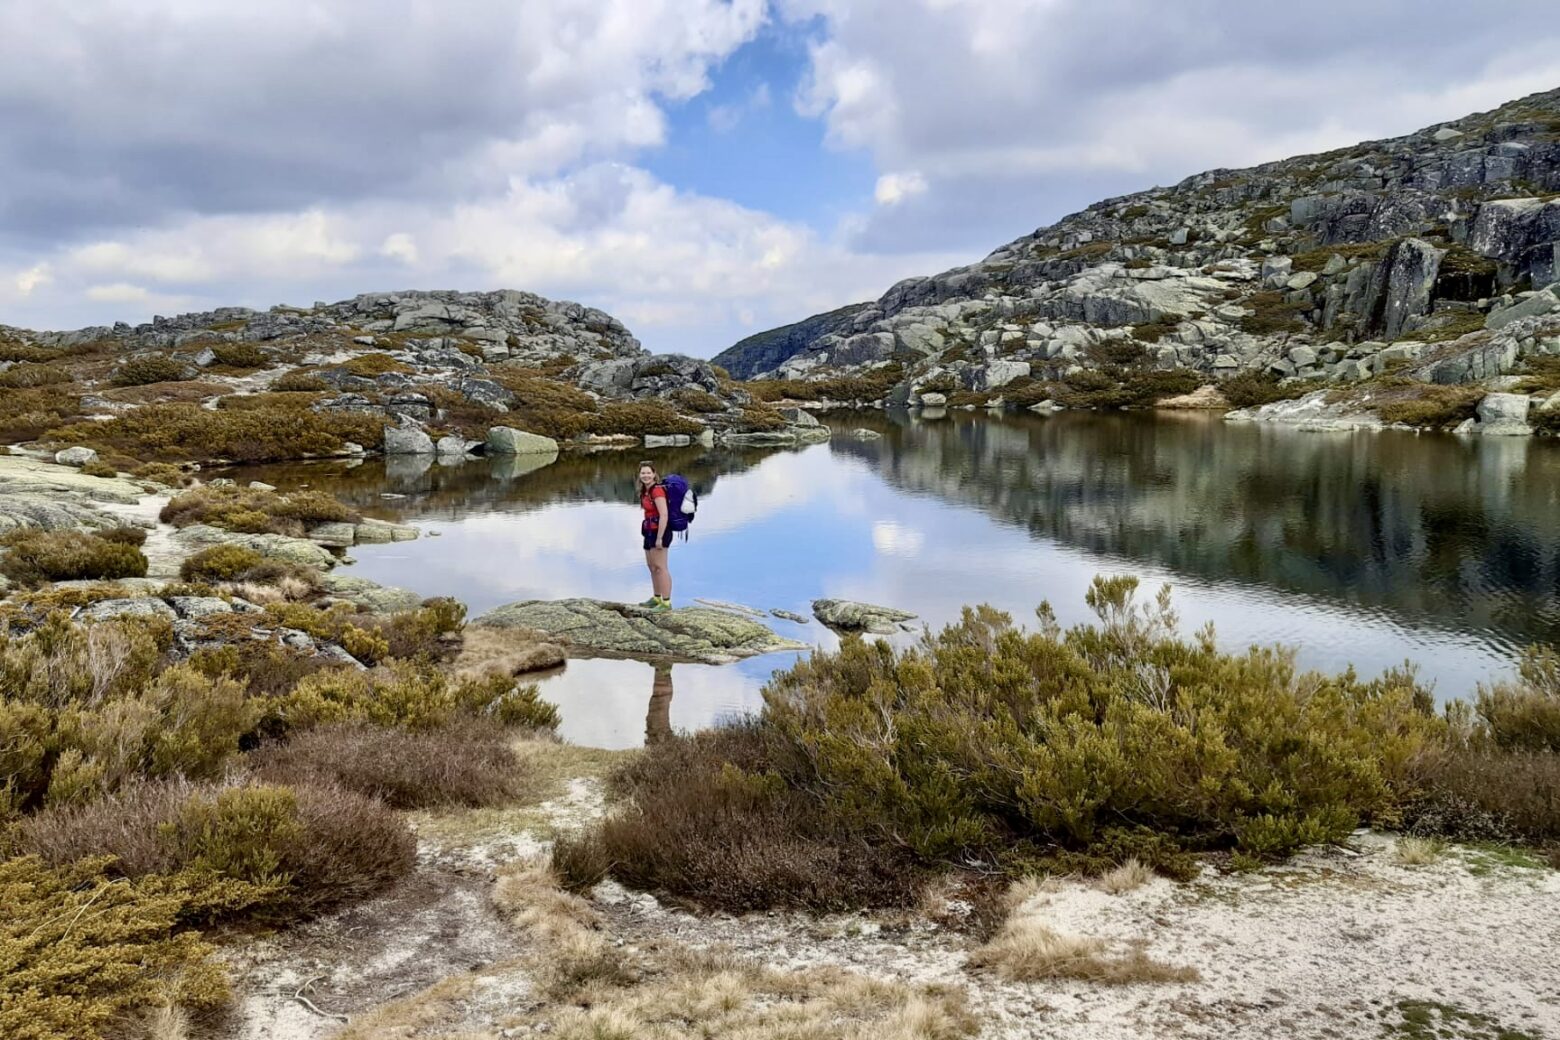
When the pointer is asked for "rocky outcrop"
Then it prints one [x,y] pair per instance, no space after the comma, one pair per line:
[588,626]
[845,615]
[34,493]
[1310,267]
[1315,411]
[764,351]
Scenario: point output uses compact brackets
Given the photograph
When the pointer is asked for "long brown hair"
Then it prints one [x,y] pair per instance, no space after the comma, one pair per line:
[639,485]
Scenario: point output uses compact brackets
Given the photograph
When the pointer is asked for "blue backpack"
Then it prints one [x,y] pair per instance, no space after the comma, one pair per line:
[681,502]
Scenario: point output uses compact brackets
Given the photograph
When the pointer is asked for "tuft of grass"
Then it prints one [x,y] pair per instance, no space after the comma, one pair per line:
[1413,851]
[1128,877]
[1027,949]
[374,364]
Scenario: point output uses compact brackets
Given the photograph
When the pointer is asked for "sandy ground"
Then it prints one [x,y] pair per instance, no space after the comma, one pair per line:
[1337,943]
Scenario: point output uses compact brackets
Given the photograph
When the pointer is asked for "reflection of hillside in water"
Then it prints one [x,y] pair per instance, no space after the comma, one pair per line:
[1430,526]
[436,490]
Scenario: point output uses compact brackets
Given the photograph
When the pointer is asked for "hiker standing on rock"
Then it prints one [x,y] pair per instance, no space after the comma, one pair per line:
[668,506]
[657,530]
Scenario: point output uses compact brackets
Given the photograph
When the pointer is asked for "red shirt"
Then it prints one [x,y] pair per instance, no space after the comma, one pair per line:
[652,515]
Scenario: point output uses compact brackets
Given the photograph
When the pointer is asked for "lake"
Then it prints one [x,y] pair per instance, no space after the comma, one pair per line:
[1363,548]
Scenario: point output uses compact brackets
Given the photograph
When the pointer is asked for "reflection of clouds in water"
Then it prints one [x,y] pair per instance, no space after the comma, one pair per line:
[891,538]
[781,482]
[608,703]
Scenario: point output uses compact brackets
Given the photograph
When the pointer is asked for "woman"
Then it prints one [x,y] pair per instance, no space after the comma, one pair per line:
[657,531]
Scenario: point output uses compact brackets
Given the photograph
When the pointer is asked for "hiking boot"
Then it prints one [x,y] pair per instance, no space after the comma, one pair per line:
[653,601]
[663,603]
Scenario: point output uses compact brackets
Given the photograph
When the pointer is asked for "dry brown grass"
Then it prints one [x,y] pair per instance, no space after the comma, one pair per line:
[505,652]
[1129,876]
[1418,852]
[1028,949]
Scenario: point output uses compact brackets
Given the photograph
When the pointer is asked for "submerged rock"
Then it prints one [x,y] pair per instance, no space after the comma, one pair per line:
[845,615]
[596,626]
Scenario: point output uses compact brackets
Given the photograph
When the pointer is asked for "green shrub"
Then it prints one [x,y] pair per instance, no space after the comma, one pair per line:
[99,468]
[1431,406]
[371,365]
[864,388]
[411,696]
[161,473]
[253,511]
[240,355]
[225,562]
[34,556]
[86,953]
[147,369]
[760,417]
[1249,389]
[26,414]
[696,400]
[26,376]
[640,417]
[470,763]
[1525,715]
[298,381]
[988,742]
[265,432]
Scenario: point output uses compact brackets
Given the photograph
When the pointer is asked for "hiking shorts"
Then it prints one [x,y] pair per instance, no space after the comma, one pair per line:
[650,543]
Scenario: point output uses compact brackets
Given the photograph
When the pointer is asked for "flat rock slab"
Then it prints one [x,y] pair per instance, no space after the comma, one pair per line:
[687,634]
[370,595]
[192,539]
[845,615]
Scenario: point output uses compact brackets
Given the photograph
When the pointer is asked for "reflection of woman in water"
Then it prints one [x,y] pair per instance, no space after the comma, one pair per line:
[657,530]
[658,724]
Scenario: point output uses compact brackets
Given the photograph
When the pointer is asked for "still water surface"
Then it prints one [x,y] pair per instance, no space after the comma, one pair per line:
[1357,548]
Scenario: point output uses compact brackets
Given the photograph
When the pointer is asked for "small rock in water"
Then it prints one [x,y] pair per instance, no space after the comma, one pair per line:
[850,616]
[791,615]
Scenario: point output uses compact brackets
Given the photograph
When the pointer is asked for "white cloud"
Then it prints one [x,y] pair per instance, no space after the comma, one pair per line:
[894,188]
[35,276]
[399,246]
[117,292]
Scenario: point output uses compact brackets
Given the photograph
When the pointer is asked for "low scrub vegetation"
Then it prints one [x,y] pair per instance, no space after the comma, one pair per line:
[26,414]
[1123,376]
[240,356]
[33,556]
[865,388]
[471,763]
[1063,750]
[178,432]
[220,563]
[148,369]
[135,808]
[1272,313]
[1424,404]
[255,511]
[28,375]
[1250,389]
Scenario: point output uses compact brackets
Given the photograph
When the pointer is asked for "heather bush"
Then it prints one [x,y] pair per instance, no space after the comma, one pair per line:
[27,375]
[26,414]
[1250,388]
[298,381]
[239,355]
[147,369]
[185,431]
[34,556]
[254,511]
[1483,793]
[226,562]
[85,953]
[1429,406]
[469,763]
[303,850]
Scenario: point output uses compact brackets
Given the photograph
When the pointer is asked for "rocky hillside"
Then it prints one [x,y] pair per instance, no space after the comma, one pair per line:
[408,372]
[1421,252]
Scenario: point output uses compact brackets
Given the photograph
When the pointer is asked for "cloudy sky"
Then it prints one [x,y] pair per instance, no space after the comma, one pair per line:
[703,169]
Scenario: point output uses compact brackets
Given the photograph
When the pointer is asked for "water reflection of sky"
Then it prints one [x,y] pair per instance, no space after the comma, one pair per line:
[798,526]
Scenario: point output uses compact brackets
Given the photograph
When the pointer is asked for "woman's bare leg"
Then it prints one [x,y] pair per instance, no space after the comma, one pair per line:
[660,573]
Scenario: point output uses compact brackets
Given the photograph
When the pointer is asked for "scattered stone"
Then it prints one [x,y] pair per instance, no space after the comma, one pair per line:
[933,400]
[258,485]
[77,456]
[791,615]
[505,440]
[846,615]
[371,531]
[407,440]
